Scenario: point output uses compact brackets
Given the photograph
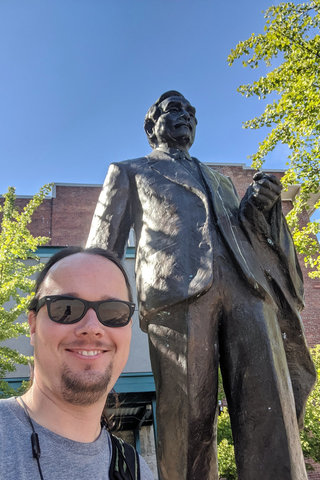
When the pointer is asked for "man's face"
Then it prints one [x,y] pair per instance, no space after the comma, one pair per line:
[176,126]
[80,362]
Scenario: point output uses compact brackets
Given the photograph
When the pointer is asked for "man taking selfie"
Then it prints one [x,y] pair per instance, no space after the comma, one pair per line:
[80,327]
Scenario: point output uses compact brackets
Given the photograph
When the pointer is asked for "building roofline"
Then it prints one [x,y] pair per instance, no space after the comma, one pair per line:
[59,184]
[243,165]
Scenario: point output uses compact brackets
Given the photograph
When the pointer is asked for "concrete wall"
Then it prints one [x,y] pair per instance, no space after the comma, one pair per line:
[139,352]
[147,444]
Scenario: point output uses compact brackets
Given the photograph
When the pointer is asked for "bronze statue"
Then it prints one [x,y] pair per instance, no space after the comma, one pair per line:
[217,281]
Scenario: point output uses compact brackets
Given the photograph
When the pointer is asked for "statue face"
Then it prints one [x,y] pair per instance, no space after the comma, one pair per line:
[176,126]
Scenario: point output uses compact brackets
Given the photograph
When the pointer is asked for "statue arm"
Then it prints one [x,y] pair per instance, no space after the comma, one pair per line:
[260,208]
[264,192]
[262,219]
[112,217]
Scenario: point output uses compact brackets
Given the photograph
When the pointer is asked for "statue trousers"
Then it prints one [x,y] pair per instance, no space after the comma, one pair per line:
[230,325]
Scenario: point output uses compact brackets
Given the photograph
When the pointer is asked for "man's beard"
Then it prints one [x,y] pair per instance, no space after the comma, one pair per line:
[85,388]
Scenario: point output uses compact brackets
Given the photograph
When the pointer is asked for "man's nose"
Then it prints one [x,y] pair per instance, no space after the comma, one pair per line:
[89,324]
[185,114]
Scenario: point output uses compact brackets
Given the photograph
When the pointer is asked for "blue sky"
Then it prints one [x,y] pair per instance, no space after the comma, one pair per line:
[78,76]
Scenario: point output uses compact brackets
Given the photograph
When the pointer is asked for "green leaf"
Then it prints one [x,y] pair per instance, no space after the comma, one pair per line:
[18,264]
[290,36]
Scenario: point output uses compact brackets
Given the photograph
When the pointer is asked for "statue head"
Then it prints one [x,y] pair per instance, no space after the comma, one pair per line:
[171,122]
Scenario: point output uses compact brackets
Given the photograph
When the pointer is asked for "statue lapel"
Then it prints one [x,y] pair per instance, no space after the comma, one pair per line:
[225,204]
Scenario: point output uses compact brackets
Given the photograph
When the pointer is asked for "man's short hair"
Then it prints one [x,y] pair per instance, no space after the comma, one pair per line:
[68,251]
[154,113]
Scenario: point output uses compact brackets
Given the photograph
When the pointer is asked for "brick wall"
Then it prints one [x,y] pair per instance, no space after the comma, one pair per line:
[72,211]
[66,217]
[315,474]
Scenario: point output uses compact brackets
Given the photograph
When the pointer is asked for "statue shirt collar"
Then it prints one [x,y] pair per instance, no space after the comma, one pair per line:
[174,153]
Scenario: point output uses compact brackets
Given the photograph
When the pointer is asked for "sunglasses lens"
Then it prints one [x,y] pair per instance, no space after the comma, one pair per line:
[114,314]
[66,310]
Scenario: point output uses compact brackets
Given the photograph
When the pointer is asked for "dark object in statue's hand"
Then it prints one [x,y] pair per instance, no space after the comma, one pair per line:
[266,190]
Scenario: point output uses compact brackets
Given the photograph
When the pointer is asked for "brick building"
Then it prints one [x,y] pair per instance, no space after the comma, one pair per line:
[65,217]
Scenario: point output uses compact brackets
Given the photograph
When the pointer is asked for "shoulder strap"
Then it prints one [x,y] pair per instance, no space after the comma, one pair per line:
[125,463]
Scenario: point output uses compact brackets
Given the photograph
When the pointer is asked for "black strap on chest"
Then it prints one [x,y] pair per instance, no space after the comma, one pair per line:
[125,463]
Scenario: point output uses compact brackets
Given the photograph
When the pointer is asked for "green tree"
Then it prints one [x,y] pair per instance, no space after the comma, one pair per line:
[310,435]
[290,48]
[17,247]
[226,459]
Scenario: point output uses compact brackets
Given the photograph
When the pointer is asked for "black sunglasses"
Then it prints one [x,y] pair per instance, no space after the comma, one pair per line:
[67,310]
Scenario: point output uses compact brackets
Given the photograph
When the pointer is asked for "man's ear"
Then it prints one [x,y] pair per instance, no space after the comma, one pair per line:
[148,126]
[32,317]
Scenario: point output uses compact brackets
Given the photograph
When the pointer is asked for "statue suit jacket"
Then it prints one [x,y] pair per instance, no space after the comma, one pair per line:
[173,216]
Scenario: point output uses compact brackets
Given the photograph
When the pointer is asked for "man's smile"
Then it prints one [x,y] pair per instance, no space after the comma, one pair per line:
[88,353]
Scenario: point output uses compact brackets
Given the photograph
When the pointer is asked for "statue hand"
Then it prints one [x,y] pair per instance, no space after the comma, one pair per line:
[265,191]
